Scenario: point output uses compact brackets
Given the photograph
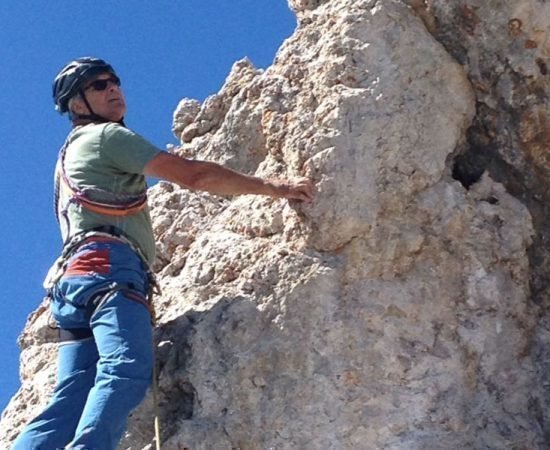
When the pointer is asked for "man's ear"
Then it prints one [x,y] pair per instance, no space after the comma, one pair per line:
[77,106]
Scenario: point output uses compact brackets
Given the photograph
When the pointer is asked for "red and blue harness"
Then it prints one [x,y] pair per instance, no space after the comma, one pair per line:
[113,205]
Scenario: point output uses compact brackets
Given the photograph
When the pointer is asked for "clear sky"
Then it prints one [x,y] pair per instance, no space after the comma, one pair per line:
[163,50]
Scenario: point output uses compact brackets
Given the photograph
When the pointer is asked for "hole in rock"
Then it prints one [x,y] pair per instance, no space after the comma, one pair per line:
[542,66]
[467,171]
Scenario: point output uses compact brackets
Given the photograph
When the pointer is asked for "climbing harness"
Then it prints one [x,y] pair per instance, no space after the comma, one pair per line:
[101,296]
[75,242]
[114,204]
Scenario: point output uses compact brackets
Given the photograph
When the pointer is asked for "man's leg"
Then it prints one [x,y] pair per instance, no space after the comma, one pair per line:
[123,334]
[55,426]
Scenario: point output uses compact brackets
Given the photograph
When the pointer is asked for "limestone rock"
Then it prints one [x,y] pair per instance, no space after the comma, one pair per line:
[224,130]
[505,48]
[186,112]
[396,310]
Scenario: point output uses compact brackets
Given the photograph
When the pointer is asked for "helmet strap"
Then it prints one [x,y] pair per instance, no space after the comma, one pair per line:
[84,119]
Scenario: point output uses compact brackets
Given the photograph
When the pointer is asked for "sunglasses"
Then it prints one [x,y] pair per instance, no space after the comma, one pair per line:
[101,85]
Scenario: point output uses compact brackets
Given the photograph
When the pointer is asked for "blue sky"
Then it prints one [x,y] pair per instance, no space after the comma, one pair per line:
[163,51]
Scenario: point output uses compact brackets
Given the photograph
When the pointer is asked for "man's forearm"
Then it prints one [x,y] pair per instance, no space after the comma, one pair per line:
[206,176]
[216,179]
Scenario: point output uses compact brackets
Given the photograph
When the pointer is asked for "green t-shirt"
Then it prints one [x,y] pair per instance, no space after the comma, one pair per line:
[110,157]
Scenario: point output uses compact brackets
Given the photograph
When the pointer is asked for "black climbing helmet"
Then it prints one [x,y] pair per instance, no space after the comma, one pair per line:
[71,78]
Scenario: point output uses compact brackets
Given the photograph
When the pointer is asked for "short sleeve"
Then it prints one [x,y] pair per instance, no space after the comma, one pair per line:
[128,151]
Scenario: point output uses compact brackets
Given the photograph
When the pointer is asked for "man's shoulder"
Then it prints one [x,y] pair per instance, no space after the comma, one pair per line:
[125,149]
[115,132]
[109,129]
[93,132]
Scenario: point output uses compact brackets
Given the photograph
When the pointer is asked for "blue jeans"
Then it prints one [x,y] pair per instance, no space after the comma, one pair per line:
[103,377]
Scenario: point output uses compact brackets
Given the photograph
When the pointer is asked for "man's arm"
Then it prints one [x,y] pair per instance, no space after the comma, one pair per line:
[216,179]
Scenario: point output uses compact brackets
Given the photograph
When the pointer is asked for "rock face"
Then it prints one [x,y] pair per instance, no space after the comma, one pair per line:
[404,308]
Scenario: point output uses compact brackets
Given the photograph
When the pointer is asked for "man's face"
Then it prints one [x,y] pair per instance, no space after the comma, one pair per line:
[105,97]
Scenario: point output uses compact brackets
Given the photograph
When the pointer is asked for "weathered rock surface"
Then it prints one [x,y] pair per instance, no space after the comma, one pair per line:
[404,308]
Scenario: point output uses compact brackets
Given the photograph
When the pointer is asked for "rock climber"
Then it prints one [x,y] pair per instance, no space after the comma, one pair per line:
[100,286]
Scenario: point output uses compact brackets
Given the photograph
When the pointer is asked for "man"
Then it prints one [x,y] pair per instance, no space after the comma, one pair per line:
[99,286]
